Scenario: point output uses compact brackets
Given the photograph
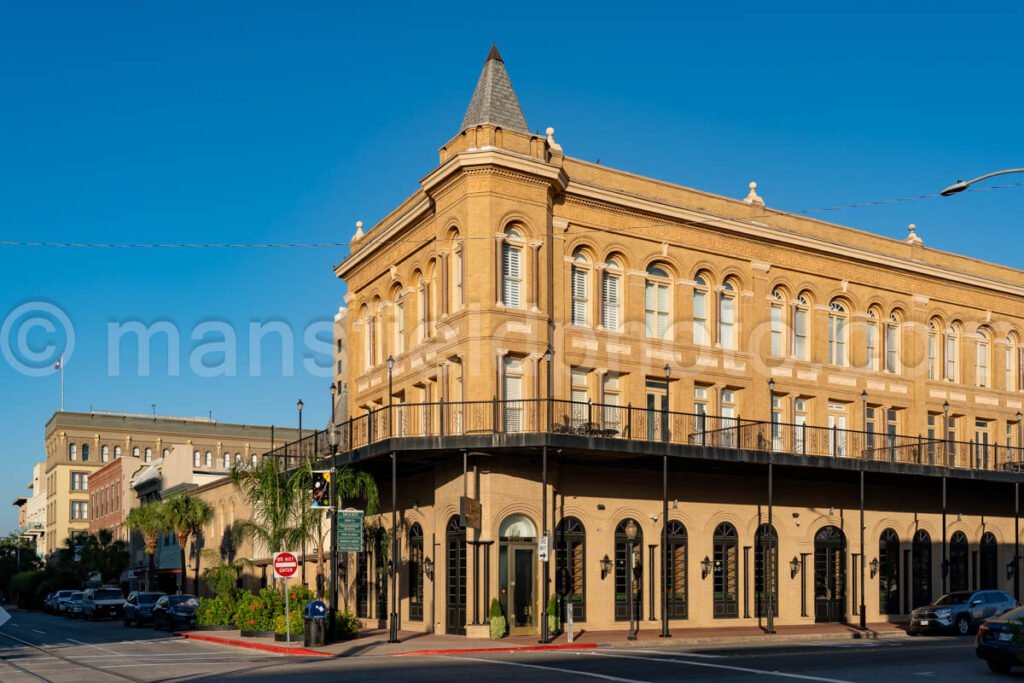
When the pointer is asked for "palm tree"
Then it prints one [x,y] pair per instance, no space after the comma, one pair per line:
[225,569]
[150,521]
[277,516]
[186,516]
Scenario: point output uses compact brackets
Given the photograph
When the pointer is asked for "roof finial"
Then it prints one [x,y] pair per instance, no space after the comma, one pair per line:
[752,196]
[359,232]
[494,102]
[912,237]
[555,147]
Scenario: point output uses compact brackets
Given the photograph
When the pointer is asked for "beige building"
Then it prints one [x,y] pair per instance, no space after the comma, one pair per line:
[79,444]
[608,353]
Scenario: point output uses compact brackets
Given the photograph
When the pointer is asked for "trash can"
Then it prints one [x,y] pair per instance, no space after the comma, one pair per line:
[314,620]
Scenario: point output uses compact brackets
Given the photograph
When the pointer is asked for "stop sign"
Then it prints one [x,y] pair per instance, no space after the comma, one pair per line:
[285,565]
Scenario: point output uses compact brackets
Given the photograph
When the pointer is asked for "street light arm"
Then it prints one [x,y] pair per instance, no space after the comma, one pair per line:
[961,185]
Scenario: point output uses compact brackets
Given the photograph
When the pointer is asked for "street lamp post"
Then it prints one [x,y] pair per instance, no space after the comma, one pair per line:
[549,355]
[300,405]
[945,432]
[631,532]
[961,185]
[391,396]
[772,561]
[664,519]
[332,437]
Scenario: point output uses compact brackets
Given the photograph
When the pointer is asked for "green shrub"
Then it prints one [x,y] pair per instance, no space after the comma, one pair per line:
[254,613]
[346,626]
[294,623]
[495,608]
[23,588]
[300,593]
[219,611]
[497,620]
[554,614]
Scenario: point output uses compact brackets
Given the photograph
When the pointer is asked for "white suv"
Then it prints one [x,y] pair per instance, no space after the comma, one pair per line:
[106,601]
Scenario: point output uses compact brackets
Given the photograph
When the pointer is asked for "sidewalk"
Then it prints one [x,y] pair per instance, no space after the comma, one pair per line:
[374,642]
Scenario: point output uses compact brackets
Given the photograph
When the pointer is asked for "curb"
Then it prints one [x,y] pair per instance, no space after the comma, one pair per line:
[294,651]
[482,650]
[760,639]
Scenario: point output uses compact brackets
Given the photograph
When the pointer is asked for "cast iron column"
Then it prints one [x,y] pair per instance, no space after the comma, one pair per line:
[863,616]
[664,547]
[1016,540]
[771,560]
[544,531]
[393,634]
[945,561]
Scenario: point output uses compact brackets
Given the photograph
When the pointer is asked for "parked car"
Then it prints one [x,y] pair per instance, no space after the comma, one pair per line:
[172,611]
[138,607]
[60,601]
[959,612]
[105,601]
[1000,641]
[74,605]
[46,602]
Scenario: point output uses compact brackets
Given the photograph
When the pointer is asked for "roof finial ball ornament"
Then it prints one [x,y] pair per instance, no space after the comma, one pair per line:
[550,132]
[912,236]
[753,197]
[359,232]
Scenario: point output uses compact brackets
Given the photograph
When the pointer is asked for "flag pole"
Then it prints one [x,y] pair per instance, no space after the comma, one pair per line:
[62,382]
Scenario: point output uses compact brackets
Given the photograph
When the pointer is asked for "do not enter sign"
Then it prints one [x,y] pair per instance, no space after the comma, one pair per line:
[285,565]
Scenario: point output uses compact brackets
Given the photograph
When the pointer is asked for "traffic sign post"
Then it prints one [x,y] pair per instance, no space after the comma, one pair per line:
[542,547]
[285,566]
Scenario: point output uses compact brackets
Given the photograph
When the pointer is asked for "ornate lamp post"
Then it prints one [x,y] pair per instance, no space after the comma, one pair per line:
[332,438]
[631,532]
[300,405]
[391,396]
[961,185]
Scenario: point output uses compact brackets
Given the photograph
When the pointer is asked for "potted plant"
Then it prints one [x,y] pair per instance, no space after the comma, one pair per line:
[497,619]
[346,626]
[554,625]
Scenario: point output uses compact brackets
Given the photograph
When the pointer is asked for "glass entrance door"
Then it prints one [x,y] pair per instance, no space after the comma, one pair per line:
[521,590]
[829,576]
[657,407]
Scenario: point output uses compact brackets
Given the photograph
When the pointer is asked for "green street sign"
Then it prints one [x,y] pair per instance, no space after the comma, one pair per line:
[350,531]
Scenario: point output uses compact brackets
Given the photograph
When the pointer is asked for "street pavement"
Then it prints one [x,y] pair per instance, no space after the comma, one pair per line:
[38,647]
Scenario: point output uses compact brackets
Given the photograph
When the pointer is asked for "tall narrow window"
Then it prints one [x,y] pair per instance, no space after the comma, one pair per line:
[85,452]
[777,323]
[837,334]
[611,386]
[729,424]
[196,459]
[656,302]
[981,358]
[952,353]
[726,573]
[570,565]
[872,340]
[513,372]
[727,315]
[892,344]
[676,576]
[580,397]
[208,459]
[766,575]
[105,453]
[580,289]
[148,455]
[701,332]
[226,464]
[511,269]
[1010,358]
[611,285]
[416,572]
[933,351]
[458,266]
[800,313]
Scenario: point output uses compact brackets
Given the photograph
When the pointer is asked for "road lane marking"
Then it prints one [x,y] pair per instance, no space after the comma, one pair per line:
[742,669]
[588,674]
[699,655]
[72,640]
[38,631]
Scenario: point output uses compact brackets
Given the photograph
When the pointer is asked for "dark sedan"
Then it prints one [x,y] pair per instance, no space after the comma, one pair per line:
[173,611]
[960,612]
[1000,641]
[138,607]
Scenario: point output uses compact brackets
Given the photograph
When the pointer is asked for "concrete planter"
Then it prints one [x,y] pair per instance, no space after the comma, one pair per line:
[218,627]
[258,634]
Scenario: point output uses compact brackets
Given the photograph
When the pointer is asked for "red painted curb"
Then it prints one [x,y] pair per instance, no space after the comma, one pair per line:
[256,646]
[511,648]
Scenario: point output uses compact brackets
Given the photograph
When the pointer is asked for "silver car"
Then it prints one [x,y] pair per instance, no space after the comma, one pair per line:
[960,612]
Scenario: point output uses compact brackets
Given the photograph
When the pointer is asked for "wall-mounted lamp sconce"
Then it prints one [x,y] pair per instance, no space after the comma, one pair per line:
[675,504]
[600,506]
[796,518]
[794,567]
[705,567]
[606,567]
[959,517]
[874,567]
[428,568]
[831,511]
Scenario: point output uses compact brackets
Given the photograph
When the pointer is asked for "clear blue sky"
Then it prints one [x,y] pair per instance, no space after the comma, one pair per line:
[272,122]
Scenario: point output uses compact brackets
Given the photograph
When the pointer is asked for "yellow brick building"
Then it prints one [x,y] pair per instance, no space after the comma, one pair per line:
[551,319]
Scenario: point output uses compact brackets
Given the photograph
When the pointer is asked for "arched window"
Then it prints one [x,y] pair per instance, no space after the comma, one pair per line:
[701,328]
[458,273]
[958,562]
[227,460]
[73,452]
[430,296]
[611,294]
[838,334]
[989,562]
[777,322]
[657,302]
[398,343]
[208,459]
[416,572]
[1011,359]
[136,452]
[85,452]
[892,343]
[105,453]
[726,572]
[871,339]
[580,288]
[117,452]
[952,353]
[238,459]
[982,350]
[571,566]
[933,350]
[512,269]
[166,452]
[367,323]
[252,460]
[889,572]
[374,331]
[628,570]
[196,458]
[727,315]
[801,312]
[149,455]
[677,576]
[766,571]
[921,568]
[455,577]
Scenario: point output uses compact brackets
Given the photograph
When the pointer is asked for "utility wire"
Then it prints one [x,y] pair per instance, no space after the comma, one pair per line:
[318,245]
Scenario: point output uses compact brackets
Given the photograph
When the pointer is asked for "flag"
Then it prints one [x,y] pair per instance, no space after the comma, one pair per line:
[321,489]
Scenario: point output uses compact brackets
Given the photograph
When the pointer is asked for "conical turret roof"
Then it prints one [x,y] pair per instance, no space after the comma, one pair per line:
[494,101]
